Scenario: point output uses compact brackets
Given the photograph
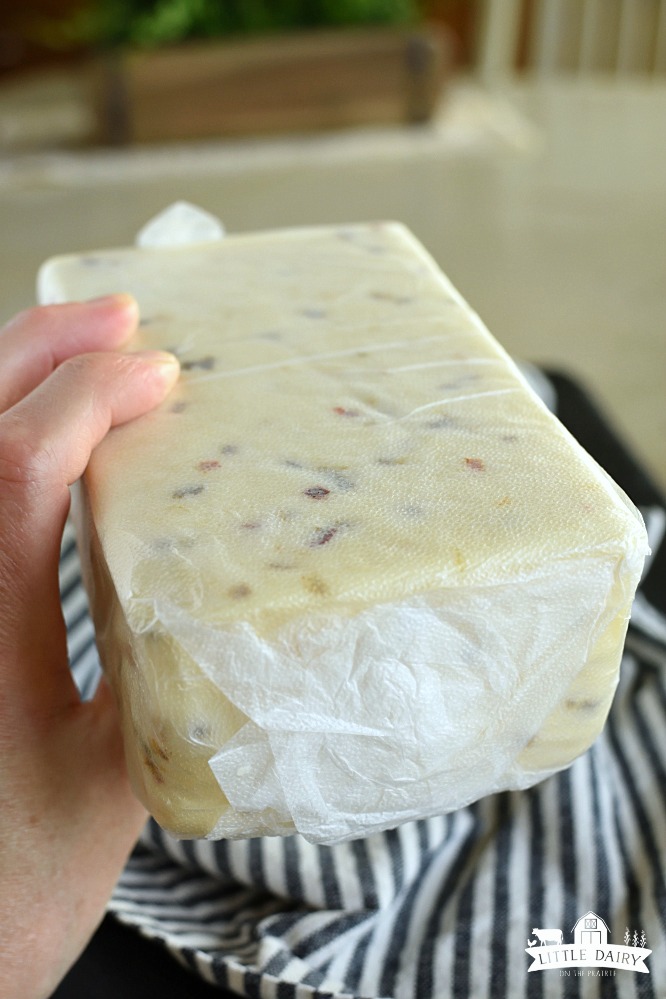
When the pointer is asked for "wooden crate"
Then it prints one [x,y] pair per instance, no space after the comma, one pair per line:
[285,83]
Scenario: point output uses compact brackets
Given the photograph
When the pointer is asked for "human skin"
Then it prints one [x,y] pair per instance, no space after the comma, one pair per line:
[68,818]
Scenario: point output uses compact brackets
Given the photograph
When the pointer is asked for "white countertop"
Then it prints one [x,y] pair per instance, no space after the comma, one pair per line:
[545,203]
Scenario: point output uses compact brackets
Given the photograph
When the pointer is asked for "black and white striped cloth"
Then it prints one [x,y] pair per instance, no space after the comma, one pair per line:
[443,908]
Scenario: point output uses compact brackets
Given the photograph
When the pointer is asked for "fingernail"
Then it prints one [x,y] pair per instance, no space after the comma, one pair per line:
[122,300]
[169,363]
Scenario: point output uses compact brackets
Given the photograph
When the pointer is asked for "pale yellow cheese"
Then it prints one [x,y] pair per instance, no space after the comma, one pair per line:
[352,571]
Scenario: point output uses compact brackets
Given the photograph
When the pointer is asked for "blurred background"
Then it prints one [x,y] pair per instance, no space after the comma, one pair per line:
[523,141]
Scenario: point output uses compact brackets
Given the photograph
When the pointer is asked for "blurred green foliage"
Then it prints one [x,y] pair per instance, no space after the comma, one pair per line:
[151,23]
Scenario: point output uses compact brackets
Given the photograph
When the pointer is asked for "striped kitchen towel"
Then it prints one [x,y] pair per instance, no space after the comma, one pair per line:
[449,906]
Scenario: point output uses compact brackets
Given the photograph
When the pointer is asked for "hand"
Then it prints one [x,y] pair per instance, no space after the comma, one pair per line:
[68,818]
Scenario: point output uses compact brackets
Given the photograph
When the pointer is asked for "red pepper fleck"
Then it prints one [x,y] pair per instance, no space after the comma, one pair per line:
[316,492]
[475,464]
[208,466]
[341,411]
[322,536]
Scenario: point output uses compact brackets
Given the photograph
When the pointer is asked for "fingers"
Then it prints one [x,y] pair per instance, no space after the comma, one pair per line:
[36,341]
[46,439]
[45,444]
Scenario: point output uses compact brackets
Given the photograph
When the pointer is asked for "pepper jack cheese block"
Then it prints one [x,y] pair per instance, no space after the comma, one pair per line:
[352,572]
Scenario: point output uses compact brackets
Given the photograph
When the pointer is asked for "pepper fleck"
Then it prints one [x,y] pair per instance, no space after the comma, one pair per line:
[208,466]
[475,464]
[157,748]
[322,536]
[339,480]
[316,492]
[441,423]
[187,491]
[203,363]
[154,770]
[342,411]
[584,704]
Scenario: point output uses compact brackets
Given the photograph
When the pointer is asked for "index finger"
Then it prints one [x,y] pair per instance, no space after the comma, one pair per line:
[36,341]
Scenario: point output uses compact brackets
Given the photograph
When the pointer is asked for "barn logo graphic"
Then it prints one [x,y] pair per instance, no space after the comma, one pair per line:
[591,948]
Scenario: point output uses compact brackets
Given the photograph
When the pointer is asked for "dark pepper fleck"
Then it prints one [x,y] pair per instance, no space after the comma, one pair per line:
[239,592]
[203,363]
[209,465]
[187,491]
[585,704]
[316,492]
[340,481]
[149,761]
[441,423]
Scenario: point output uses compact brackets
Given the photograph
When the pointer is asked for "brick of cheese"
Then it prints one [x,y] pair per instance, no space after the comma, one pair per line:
[352,572]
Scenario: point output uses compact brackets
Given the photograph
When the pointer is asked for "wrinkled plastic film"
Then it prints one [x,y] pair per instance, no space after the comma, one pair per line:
[351,572]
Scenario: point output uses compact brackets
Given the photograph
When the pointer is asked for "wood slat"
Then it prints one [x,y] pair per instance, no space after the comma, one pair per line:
[271,85]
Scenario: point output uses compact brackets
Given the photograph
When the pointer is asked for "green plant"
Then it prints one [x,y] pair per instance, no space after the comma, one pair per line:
[151,23]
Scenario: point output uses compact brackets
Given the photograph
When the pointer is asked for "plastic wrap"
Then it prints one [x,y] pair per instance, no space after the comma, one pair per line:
[352,571]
